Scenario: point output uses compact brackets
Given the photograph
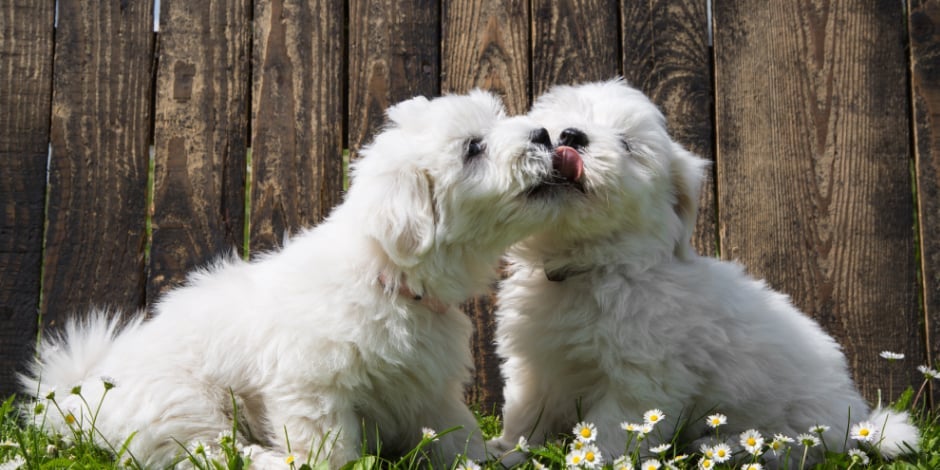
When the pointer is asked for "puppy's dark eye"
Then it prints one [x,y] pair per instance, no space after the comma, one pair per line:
[625,144]
[475,147]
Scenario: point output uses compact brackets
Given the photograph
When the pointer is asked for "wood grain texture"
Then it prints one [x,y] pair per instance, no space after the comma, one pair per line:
[814,170]
[394,54]
[485,44]
[26,35]
[574,41]
[101,112]
[666,54]
[924,28]
[200,137]
[297,116]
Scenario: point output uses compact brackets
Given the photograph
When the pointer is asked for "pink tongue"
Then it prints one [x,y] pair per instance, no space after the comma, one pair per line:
[567,162]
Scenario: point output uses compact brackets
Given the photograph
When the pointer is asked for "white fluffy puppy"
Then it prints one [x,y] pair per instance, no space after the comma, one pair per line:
[350,328]
[611,309]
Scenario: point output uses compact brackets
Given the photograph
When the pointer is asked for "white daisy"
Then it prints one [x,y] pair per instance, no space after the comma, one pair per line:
[629,427]
[819,429]
[428,434]
[864,431]
[808,440]
[928,372]
[660,448]
[721,453]
[716,420]
[651,464]
[891,356]
[576,445]
[574,459]
[706,464]
[13,464]
[522,445]
[707,451]
[752,441]
[196,448]
[752,466]
[585,431]
[538,465]
[858,455]
[592,456]
[623,463]
[653,416]
[468,465]
[779,444]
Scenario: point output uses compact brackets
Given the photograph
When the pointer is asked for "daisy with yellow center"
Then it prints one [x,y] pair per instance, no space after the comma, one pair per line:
[707,451]
[651,464]
[721,453]
[574,458]
[290,459]
[585,431]
[428,434]
[653,416]
[779,444]
[629,427]
[706,464]
[716,420]
[623,463]
[592,456]
[864,431]
[752,441]
[70,418]
[752,466]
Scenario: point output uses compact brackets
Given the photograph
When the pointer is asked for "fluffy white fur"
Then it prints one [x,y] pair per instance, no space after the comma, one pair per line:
[635,320]
[323,340]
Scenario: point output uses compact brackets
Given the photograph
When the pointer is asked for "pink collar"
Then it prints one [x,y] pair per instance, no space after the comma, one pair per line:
[430,303]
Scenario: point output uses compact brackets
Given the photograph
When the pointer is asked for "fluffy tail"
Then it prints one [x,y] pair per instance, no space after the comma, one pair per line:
[68,358]
[898,435]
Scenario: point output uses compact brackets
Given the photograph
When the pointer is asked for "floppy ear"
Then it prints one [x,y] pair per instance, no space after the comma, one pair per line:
[686,172]
[405,221]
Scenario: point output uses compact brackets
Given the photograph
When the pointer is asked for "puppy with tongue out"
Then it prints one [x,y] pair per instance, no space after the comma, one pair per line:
[607,312]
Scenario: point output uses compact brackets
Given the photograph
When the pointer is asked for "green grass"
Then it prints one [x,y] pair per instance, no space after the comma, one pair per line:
[25,443]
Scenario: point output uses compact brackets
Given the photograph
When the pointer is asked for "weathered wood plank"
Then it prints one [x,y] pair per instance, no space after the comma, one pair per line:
[814,169]
[666,54]
[485,45]
[574,41]
[98,172]
[924,27]
[26,32]
[297,116]
[200,136]
[394,54]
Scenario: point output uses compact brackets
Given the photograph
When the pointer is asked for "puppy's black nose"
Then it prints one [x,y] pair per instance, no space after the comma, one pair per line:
[573,138]
[540,136]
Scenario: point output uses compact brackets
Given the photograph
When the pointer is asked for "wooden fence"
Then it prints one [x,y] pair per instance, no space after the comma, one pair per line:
[821,118]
